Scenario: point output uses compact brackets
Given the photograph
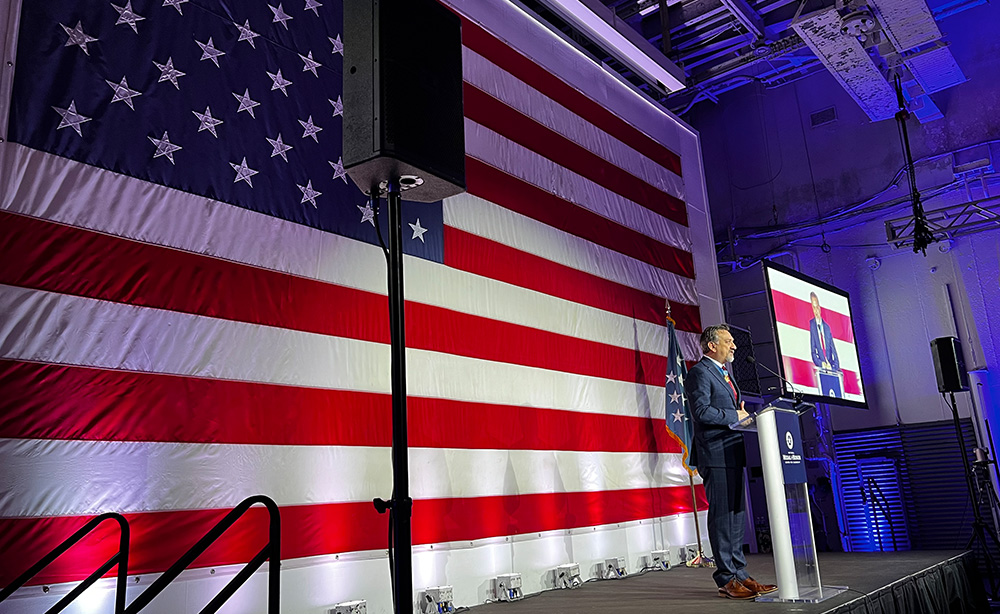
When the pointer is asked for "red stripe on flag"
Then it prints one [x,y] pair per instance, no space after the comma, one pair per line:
[57,258]
[798,312]
[803,372]
[485,110]
[458,333]
[160,538]
[68,402]
[490,47]
[475,254]
[512,193]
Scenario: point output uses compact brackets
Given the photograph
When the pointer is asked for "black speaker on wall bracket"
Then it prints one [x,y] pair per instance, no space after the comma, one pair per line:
[949,365]
[403,114]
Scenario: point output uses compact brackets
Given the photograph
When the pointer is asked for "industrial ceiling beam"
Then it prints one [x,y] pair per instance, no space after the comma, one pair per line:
[748,18]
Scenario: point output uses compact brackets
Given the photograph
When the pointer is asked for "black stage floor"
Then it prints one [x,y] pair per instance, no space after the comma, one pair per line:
[881,583]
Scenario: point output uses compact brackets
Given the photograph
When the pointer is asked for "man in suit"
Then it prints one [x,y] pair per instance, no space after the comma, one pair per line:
[720,457]
[824,353]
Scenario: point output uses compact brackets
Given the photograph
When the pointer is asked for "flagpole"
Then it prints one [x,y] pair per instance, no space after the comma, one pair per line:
[700,560]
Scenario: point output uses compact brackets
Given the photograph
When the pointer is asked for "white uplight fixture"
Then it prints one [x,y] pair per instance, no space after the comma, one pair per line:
[614,568]
[658,560]
[507,587]
[662,72]
[350,607]
[567,576]
[437,600]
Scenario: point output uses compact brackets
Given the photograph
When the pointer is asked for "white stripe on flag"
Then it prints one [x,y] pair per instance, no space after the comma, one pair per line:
[516,94]
[55,328]
[502,153]
[162,216]
[483,218]
[144,476]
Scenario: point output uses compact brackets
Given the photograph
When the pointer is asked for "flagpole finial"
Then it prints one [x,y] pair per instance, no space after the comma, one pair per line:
[666,306]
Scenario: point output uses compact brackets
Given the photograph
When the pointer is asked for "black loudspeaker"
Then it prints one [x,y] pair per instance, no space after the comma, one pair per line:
[744,373]
[949,365]
[403,97]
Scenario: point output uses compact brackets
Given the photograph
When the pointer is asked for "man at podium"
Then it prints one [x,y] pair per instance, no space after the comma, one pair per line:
[720,456]
[824,353]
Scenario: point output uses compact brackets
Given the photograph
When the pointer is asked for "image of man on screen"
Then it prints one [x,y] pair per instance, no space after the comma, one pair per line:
[824,353]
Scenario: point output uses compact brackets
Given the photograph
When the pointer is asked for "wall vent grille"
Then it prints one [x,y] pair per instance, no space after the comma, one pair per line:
[826,116]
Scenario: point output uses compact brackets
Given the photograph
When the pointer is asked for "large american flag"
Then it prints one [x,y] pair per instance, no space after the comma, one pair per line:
[193,310]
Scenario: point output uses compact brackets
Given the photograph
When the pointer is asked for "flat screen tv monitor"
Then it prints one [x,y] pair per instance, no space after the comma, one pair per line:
[814,336]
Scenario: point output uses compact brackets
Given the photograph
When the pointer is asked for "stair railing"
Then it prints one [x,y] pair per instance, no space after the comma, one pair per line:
[119,558]
[271,551]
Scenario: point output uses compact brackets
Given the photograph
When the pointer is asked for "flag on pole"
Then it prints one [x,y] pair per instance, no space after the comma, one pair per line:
[678,414]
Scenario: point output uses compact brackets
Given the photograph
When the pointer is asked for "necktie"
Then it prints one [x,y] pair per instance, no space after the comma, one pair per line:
[725,373]
[822,339]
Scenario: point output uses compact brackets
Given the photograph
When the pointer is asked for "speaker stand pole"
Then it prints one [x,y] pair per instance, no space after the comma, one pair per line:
[980,530]
[402,505]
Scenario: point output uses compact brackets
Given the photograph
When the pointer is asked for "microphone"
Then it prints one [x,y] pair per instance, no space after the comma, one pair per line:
[796,394]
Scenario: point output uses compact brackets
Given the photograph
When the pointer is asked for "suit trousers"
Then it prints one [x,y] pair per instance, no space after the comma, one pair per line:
[726,521]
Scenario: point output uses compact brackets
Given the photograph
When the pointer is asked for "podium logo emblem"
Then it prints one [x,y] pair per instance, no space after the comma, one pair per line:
[788,440]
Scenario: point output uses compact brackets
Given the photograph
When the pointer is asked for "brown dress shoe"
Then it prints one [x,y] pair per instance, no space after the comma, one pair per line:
[735,590]
[757,587]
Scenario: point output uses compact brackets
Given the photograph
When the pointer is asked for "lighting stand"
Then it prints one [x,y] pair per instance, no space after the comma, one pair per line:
[400,506]
[985,492]
[980,530]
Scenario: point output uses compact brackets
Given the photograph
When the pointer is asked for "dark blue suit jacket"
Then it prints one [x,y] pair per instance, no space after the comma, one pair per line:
[713,409]
[817,349]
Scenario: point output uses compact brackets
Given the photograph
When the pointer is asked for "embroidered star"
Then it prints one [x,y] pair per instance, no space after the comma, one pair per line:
[280,16]
[680,380]
[122,92]
[338,46]
[675,397]
[312,5]
[367,213]
[311,129]
[308,193]
[679,416]
[168,72]
[671,378]
[127,15]
[164,147]
[71,118]
[279,147]
[418,231]
[207,121]
[176,4]
[209,52]
[338,106]
[246,104]
[680,360]
[78,37]
[338,169]
[246,34]
[243,172]
[310,63]
[279,82]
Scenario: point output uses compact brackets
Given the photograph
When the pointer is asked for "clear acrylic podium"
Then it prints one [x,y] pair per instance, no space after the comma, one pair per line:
[787,492]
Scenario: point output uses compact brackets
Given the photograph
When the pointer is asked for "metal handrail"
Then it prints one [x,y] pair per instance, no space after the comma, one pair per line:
[120,558]
[271,551]
[881,504]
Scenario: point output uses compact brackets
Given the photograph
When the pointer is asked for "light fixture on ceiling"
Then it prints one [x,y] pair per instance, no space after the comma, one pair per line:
[649,9]
[583,14]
